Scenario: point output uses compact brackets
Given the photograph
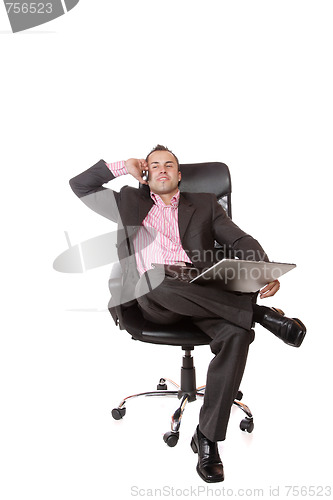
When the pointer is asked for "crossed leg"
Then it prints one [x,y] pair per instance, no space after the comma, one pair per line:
[166,300]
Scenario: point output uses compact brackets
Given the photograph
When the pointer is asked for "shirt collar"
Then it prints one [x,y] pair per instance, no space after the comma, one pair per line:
[160,203]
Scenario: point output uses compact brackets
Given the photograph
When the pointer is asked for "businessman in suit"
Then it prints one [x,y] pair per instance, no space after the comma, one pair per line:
[160,225]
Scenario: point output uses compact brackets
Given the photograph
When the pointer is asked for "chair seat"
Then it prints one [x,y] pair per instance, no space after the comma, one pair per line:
[182,333]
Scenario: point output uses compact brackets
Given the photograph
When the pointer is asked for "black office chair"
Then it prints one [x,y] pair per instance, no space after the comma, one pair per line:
[197,177]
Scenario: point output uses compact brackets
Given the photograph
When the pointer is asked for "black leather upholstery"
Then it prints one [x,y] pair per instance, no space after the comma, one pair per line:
[211,177]
[182,333]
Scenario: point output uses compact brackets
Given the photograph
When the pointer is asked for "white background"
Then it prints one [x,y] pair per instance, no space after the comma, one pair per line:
[248,83]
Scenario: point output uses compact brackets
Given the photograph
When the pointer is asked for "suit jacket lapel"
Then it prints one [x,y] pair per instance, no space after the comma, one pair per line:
[185,212]
[134,220]
[133,215]
[145,204]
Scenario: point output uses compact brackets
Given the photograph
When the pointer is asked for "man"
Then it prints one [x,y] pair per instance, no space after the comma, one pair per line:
[160,225]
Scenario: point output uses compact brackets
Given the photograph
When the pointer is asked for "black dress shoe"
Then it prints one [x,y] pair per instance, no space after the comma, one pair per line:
[290,330]
[210,467]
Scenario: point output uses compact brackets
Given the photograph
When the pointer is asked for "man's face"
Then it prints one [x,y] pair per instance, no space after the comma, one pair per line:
[163,173]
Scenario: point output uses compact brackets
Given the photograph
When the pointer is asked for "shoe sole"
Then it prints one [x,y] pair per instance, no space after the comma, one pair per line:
[301,335]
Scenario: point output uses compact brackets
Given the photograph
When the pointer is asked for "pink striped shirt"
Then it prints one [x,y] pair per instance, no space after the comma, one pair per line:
[158,240]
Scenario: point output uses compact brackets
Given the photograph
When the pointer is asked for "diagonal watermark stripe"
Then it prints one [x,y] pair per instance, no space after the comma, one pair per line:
[100,251]
[23,15]
[90,254]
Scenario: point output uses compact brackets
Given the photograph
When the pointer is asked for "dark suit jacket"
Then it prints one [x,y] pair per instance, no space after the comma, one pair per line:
[202,221]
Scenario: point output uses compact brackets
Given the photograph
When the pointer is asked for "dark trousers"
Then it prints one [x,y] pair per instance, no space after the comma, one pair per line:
[225,317]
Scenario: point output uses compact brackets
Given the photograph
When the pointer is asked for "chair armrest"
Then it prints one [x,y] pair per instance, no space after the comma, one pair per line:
[116,278]
[115,287]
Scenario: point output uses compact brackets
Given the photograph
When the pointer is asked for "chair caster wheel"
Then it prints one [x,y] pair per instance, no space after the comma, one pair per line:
[118,413]
[239,395]
[171,438]
[247,425]
[161,386]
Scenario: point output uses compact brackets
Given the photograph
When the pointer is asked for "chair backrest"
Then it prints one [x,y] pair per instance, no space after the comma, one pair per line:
[210,177]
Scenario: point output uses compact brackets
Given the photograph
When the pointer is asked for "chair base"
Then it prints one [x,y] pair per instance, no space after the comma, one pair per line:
[186,392]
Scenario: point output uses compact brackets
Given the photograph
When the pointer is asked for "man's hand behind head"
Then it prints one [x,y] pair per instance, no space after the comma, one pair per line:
[135,167]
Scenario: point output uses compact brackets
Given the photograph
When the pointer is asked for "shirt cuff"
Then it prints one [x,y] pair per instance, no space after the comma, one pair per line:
[117,168]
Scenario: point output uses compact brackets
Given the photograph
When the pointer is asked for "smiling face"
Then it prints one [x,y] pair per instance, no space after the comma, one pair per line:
[163,174]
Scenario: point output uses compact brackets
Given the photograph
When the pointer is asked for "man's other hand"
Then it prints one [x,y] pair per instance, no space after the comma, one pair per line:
[270,289]
[135,167]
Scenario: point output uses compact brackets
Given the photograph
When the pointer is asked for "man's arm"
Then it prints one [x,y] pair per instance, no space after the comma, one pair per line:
[88,185]
[242,244]
[228,234]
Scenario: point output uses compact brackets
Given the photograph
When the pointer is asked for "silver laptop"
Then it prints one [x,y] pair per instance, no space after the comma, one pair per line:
[245,276]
